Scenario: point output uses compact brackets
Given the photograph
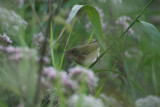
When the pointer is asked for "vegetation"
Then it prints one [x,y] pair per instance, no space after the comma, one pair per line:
[36,72]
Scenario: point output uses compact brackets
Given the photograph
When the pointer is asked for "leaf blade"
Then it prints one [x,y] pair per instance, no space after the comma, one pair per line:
[94,18]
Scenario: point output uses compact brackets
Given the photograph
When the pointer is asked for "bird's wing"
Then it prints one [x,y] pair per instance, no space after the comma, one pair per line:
[89,48]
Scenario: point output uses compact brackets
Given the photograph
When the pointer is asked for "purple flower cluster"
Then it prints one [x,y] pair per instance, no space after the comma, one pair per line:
[38,39]
[72,80]
[124,22]
[77,73]
[5,39]
[50,72]
[16,53]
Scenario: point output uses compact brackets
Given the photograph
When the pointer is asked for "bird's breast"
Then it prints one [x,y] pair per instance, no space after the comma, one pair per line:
[90,58]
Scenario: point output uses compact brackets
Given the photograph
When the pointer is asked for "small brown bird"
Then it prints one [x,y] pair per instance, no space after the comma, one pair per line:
[85,54]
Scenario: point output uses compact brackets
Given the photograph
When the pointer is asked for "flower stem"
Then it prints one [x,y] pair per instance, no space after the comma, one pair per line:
[136,18]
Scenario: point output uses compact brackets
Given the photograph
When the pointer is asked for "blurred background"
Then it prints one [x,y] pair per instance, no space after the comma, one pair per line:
[135,56]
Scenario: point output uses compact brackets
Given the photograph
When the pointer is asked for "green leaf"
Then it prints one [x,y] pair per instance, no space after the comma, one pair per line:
[154,37]
[73,12]
[93,17]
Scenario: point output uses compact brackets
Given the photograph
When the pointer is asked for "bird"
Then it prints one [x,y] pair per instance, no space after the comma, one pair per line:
[85,54]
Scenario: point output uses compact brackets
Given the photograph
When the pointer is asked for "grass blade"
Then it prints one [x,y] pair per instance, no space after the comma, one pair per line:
[60,66]
[51,45]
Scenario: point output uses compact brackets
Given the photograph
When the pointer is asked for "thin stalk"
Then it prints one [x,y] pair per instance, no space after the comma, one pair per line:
[36,16]
[60,35]
[60,91]
[123,33]
[60,66]
[111,70]
[51,46]
[136,18]
[43,50]
[100,56]
[100,89]
[82,89]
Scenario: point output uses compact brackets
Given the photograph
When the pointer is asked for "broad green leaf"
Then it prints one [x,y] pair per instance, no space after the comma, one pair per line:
[153,41]
[73,12]
[93,17]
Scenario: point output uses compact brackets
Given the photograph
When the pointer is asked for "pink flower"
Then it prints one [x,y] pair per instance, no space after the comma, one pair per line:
[78,72]
[123,21]
[67,82]
[5,39]
[50,72]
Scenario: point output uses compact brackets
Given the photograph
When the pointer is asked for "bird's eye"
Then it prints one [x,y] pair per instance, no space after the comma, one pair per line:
[72,51]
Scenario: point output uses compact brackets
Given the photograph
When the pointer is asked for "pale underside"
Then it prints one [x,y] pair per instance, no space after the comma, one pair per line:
[90,58]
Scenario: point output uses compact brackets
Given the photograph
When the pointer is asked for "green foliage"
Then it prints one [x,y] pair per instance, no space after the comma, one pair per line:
[93,17]
[127,68]
[3,104]
[154,38]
